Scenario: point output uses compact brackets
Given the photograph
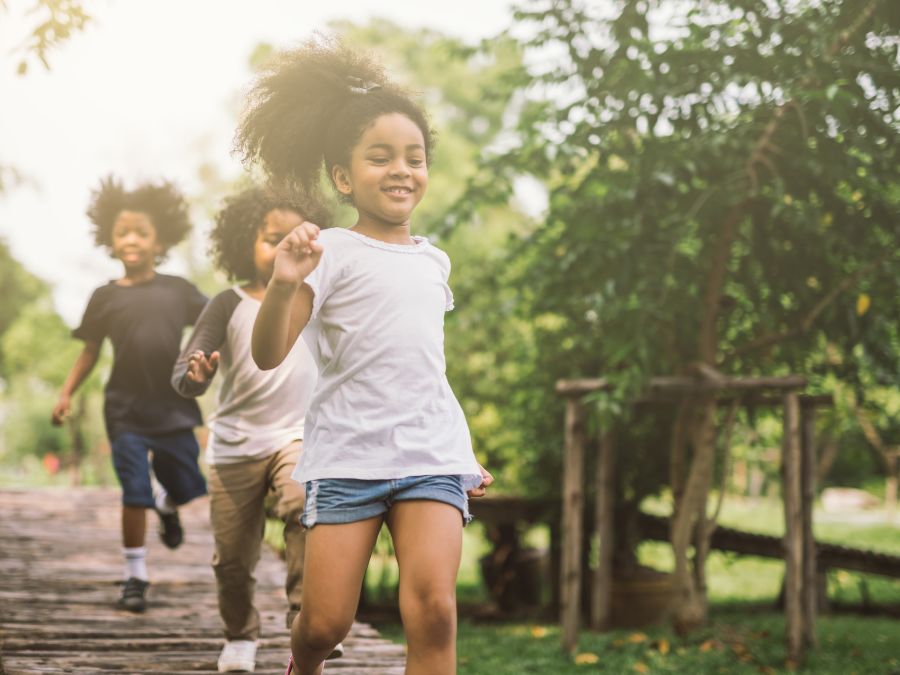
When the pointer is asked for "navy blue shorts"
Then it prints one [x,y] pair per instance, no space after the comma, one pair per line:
[337,501]
[174,464]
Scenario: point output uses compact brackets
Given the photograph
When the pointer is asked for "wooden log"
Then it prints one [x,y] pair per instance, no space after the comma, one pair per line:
[572,518]
[809,467]
[601,588]
[793,536]
[659,386]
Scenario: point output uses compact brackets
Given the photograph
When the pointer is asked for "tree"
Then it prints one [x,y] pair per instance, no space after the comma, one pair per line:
[58,21]
[723,188]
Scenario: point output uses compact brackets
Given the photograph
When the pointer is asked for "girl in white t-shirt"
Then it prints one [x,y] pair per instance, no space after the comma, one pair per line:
[385,439]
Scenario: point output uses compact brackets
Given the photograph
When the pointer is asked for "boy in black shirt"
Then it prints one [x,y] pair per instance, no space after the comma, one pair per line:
[143,314]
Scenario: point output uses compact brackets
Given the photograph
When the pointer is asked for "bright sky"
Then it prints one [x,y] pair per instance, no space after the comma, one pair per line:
[148,91]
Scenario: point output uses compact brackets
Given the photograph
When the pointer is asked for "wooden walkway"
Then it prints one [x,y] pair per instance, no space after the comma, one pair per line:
[60,558]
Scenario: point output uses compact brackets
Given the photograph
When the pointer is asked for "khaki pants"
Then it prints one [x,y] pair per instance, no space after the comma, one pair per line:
[237,493]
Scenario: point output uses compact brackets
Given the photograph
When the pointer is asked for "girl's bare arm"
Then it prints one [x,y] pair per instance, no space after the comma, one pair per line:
[287,305]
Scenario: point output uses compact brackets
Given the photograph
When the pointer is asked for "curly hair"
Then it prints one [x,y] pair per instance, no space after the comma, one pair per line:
[238,222]
[310,106]
[163,203]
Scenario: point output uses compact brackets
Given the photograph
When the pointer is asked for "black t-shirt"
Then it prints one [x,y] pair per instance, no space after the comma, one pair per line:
[144,324]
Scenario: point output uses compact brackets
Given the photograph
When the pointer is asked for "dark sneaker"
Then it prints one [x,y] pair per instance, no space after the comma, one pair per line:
[132,597]
[170,532]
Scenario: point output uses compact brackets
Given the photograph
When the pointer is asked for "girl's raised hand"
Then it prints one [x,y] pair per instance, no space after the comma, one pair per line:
[202,368]
[297,255]
[486,480]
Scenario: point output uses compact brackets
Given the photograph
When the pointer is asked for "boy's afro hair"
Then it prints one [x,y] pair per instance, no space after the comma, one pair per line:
[234,235]
[162,202]
[309,107]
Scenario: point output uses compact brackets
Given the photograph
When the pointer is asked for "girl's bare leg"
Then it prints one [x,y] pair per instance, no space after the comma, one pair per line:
[428,542]
[335,563]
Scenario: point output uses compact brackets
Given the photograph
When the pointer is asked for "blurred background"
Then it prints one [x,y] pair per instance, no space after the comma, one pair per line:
[626,190]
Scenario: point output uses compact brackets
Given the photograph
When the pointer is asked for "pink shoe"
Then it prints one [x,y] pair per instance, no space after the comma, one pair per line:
[290,668]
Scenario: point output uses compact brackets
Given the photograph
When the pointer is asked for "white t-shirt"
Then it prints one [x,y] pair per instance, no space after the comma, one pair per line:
[382,407]
[258,412]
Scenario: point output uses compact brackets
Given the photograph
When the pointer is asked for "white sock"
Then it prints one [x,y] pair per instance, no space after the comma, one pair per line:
[136,562]
[164,503]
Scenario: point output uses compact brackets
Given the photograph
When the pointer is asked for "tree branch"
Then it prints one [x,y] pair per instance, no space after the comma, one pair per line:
[805,323]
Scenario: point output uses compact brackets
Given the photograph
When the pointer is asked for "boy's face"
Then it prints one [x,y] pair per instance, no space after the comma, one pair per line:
[277,224]
[134,240]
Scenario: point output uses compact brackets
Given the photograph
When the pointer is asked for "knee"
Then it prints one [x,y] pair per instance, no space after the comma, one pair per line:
[432,612]
[321,632]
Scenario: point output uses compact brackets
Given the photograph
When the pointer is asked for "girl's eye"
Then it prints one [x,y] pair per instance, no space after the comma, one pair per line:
[416,161]
[379,160]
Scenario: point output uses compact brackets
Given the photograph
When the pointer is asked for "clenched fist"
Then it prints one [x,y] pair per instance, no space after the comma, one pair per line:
[297,255]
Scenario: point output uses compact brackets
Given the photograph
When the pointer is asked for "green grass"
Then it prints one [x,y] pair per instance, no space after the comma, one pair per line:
[734,642]
[745,634]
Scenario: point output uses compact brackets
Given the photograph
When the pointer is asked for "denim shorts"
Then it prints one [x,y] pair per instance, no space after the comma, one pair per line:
[336,501]
[174,464]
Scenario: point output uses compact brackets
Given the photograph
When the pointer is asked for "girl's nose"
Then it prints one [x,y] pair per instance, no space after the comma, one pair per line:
[399,168]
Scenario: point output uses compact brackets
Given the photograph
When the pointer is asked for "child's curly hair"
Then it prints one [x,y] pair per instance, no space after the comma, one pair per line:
[163,203]
[238,222]
[311,105]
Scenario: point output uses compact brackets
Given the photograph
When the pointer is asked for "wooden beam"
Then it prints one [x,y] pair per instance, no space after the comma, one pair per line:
[793,533]
[808,468]
[601,589]
[679,384]
[572,519]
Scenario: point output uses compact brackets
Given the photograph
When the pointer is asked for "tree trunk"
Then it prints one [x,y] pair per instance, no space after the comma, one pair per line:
[890,484]
[691,607]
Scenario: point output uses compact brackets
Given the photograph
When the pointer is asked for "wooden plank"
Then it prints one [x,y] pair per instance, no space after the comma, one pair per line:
[682,384]
[601,590]
[793,538]
[808,469]
[60,557]
[572,519]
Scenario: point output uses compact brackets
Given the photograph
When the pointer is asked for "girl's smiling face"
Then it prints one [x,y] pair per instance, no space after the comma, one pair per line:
[388,172]
[134,240]
[277,224]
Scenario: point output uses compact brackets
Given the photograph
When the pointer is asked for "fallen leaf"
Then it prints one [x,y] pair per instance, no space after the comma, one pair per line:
[538,632]
[635,638]
[641,667]
[586,658]
[663,647]
[863,302]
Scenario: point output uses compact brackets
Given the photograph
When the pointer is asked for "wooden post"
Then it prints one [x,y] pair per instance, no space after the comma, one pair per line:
[793,533]
[601,589]
[809,467]
[572,519]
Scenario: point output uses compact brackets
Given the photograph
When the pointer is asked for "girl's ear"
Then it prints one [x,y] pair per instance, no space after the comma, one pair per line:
[341,180]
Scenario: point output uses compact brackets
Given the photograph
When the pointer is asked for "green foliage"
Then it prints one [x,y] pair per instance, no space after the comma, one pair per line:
[19,289]
[654,124]
[58,21]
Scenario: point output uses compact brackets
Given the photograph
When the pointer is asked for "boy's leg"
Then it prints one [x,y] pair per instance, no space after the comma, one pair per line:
[236,513]
[428,542]
[175,463]
[129,454]
[134,526]
[336,560]
[290,497]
